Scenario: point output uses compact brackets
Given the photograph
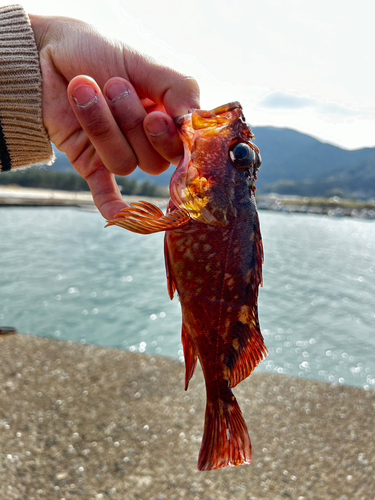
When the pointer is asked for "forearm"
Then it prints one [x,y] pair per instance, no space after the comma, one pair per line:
[23,138]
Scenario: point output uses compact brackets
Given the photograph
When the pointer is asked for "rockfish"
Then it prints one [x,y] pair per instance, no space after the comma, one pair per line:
[213,256]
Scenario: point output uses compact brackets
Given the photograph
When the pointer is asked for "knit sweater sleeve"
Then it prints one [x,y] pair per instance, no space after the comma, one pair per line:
[23,139]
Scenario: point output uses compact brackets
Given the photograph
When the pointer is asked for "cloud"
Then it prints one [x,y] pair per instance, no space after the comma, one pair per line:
[285,101]
[336,109]
[281,100]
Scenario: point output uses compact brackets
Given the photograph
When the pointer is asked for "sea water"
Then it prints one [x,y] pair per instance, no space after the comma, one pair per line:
[62,275]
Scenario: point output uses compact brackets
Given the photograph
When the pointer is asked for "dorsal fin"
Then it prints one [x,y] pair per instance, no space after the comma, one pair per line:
[247,352]
[248,347]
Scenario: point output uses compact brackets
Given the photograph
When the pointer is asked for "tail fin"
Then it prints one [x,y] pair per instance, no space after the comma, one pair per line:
[226,441]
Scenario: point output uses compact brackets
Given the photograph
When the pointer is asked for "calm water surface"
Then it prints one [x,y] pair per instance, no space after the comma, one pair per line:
[62,275]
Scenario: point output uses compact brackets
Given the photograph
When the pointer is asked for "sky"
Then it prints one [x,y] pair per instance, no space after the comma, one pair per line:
[308,66]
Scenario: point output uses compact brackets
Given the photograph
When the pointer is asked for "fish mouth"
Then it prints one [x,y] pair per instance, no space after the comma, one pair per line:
[189,188]
[200,118]
[220,110]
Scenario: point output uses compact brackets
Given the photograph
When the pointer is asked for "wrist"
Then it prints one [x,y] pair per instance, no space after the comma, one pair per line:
[41,28]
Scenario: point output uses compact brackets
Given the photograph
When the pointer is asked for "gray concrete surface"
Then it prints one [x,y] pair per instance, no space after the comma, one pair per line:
[84,422]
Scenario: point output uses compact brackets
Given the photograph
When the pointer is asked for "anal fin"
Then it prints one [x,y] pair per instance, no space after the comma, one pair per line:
[190,354]
[146,218]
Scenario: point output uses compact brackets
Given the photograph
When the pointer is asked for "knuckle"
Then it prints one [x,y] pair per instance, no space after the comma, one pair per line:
[99,130]
[130,122]
[137,122]
[190,87]
[154,166]
[124,166]
[182,96]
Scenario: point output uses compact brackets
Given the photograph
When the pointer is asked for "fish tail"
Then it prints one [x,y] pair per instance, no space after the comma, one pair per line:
[226,441]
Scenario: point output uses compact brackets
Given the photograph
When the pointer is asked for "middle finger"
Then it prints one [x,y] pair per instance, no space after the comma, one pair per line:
[129,113]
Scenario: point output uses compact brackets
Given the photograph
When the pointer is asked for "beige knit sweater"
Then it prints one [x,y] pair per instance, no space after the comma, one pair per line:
[23,138]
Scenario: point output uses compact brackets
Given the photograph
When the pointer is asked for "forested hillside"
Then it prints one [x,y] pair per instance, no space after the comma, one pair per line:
[293,163]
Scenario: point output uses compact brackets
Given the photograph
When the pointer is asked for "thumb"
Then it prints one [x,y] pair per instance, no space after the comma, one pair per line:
[179,94]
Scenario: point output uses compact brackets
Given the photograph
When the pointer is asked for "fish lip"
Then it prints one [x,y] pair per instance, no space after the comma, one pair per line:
[224,108]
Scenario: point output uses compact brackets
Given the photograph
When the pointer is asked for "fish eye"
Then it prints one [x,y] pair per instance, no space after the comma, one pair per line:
[242,156]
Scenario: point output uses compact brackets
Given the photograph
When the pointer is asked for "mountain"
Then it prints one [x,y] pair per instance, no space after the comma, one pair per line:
[295,163]
[62,164]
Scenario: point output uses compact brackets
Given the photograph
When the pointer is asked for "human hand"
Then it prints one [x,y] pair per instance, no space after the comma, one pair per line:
[108,107]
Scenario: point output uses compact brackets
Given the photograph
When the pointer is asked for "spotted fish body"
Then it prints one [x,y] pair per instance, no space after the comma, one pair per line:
[213,254]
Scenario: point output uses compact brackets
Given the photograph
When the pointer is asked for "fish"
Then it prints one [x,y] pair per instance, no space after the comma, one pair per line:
[213,257]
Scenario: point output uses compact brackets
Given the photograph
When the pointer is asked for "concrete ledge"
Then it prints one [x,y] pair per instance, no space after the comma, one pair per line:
[80,421]
[15,196]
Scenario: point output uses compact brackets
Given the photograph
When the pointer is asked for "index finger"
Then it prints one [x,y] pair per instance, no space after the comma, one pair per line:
[105,192]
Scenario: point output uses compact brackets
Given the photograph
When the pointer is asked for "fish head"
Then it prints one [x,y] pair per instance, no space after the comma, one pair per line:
[219,165]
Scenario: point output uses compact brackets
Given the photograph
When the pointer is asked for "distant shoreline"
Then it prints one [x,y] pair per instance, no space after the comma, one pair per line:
[333,207]
[15,196]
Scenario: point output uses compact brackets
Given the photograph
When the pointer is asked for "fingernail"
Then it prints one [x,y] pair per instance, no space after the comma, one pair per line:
[84,96]
[156,127]
[116,91]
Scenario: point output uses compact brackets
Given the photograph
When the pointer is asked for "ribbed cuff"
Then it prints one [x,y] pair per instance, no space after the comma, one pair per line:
[23,139]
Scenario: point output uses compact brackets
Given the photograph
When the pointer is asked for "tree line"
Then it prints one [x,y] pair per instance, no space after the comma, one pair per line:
[70,181]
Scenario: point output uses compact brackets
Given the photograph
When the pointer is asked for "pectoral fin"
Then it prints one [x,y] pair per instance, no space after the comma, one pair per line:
[145,218]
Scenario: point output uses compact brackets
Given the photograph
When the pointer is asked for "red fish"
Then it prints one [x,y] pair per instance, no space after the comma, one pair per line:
[213,255]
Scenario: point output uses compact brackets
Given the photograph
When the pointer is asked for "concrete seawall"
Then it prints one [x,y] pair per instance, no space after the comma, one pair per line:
[15,196]
[81,421]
